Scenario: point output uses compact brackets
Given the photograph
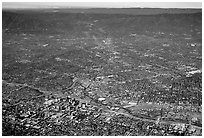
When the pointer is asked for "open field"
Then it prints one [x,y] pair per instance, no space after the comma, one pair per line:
[91,73]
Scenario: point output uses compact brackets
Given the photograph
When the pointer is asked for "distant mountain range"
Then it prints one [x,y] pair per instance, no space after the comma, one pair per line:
[130,11]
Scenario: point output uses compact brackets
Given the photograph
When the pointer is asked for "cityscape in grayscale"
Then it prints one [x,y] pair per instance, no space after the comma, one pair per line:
[102,69]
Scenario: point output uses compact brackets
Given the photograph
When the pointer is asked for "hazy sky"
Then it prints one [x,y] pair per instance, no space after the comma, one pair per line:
[102,4]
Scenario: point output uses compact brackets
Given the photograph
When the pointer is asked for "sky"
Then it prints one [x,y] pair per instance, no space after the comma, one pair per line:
[101,4]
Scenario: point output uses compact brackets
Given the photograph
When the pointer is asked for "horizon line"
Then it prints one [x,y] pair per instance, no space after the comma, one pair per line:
[81,7]
[88,5]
